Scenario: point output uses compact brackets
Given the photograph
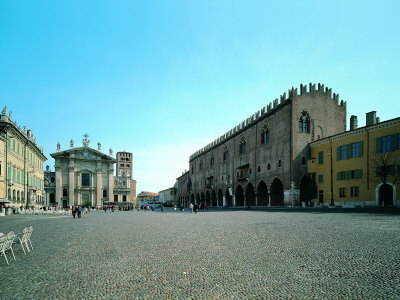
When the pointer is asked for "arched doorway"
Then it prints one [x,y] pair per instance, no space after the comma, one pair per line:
[220,198]
[213,198]
[202,199]
[262,194]
[277,193]
[208,198]
[250,196]
[228,198]
[197,199]
[386,195]
[308,188]
[239,196]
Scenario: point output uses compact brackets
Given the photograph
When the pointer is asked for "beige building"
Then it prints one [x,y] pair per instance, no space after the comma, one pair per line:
[168,196]
[21,164]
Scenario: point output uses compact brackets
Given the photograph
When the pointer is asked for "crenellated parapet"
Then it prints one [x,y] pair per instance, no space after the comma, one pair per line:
[271,108]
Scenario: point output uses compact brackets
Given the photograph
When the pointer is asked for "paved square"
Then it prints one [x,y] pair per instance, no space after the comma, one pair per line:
[241,254]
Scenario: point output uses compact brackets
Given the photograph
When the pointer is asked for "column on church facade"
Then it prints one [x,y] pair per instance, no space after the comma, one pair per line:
[58,187]
[71,186]
[111,184]
[99,184]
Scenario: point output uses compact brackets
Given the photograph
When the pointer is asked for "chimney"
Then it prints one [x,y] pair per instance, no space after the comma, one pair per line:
[370,118]
[377,120]
[353,122]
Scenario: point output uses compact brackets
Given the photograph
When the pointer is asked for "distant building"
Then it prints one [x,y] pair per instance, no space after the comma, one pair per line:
[125,185]
[21,165]
[358,167]
[168,196]
[184,189]
[50,187]
[147,197]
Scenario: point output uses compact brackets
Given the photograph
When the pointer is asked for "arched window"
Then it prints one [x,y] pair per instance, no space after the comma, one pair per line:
[304,123]
[225,154]
[303,161]
[279,163]
[258,169]
[269,166]
[242,146]
[265,136]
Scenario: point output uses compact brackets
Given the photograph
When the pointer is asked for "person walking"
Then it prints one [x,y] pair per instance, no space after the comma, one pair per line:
[174,208]
[73,211]
[79,211]
[191,207]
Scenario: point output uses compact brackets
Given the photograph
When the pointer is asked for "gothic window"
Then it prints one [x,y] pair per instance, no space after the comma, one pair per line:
[265,136]
[269,166]
[242,146]
[225,155]
[304,123]
[258,169]
[279,163]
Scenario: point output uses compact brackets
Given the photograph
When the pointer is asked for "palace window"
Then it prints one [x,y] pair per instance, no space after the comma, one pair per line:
[342,192]
[85,179]
[225,155]
[65,192]
[265,136]
[321,157]
[258,169]
[355,191]
[104,193]
[279,163]
[242,146]
[320,178]
[304,123]
[269,166]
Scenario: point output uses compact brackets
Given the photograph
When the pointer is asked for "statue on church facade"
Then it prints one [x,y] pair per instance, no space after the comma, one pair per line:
[71,144]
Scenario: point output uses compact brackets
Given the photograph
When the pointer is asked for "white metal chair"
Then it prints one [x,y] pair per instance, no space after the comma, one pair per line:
[6,243]
[23,239]
[30,229]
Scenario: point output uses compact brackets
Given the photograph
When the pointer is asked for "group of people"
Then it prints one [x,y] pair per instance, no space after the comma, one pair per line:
[197,207]
[77,210]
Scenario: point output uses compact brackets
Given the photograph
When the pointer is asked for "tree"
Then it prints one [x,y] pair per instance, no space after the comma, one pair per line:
[385,166]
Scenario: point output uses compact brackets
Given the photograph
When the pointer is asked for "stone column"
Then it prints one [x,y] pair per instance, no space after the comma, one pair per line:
[233,200]
[223,200]
[71,186]
[58,187]
[255,196]
[269,199]
[111,184]
[99,184]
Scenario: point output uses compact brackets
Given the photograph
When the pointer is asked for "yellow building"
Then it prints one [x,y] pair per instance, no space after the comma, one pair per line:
[21,165]
[358,167]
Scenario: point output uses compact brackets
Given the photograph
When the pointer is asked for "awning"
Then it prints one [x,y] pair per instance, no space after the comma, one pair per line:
[243,166]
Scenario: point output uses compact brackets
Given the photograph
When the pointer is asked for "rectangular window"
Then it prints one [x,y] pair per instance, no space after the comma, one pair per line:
[85,179]
[13,174]
[355,191]
[386,143]
[9,142]
[342,192]
[23,178]
[18,176]
[343,154]
[9,173]
[320,178]
[321,196]
[14,145]
[18,148]
[321,157]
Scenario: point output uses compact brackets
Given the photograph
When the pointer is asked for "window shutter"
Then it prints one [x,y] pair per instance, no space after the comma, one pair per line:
[379,145]
[393,142]
[361,148]
[338,153]
[338,176]
[348,151]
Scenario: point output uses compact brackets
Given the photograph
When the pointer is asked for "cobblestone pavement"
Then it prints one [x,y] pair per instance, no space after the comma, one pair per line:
[235,254]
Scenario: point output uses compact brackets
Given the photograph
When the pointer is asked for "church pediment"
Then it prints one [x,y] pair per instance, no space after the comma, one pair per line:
[84,153]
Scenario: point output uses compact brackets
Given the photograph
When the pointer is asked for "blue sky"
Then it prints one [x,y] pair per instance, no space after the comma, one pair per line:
[162,79]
